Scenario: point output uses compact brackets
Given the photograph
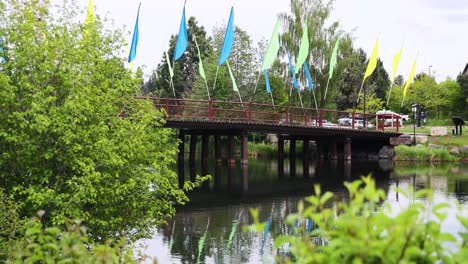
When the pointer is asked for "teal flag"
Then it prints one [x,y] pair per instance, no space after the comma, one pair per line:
[136,35]
[182,39]
[273,48]
[303,49]
[228,39]
[291,68]
[267,81]
[309,79]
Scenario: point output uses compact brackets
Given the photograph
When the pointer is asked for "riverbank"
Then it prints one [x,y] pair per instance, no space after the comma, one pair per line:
[437,149]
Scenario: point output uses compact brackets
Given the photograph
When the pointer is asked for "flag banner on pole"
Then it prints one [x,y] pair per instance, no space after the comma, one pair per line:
[303,50]
[171,72]
[234,85]
[228,39]
[333,58]
[396,61]
[291,68]
[2,59]
[372,61]
[201,70]
[136,35]
[182,38]
[90,20]
[273,48]
[309,79]
[267,81]
[410,79]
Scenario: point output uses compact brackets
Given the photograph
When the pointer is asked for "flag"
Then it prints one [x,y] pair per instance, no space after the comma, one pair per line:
[200,62]
[410,79]
[234,85]
[2,59]
[396,61]
[303,50]
[90,20]
[228,39]
[333,58]
[273,48]
[182,39]
[309,79]
[372,61]
[136,35]
[171,72]
[291,68]
[267,82]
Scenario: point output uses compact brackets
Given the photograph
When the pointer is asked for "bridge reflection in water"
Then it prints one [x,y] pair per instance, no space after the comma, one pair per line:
[233,121]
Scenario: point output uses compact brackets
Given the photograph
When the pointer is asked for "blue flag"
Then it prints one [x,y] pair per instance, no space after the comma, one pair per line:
[228,39]
[182,39]
[2,59]
[136,34]
[267,82]
[291,68]
[309,80]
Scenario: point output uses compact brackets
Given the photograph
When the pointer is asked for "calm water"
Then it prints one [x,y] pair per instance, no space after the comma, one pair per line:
[209,229]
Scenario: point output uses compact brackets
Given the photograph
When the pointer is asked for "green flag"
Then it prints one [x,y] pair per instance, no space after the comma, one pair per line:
[410,80]
[372,61]
[200,62]
[171,72]
[90,20]
[396,61]
[234,85]
[273,48]
[303,50]
[333,58]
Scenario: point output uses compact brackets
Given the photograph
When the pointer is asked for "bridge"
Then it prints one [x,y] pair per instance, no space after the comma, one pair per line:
[207,118]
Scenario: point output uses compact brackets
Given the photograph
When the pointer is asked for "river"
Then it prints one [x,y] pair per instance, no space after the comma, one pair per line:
[209,228]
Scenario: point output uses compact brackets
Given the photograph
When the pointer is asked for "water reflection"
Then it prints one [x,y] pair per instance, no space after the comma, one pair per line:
[209,229]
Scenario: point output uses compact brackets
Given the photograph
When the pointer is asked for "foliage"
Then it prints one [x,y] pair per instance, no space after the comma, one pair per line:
[11,226]
[462,79]
[74,141]
[358,231]
[52,245]
[373,103]
[422,153]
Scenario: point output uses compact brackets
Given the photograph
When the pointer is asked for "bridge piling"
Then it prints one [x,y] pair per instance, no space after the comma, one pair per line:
[231,157]
[333,150]
[244,149]
[281,156]
[204,158]
[218,155]
[305,158]
[292,157]
[347,149]
[192,153]
[180,159]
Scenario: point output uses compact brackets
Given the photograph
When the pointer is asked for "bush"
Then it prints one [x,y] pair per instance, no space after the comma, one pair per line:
[363,230]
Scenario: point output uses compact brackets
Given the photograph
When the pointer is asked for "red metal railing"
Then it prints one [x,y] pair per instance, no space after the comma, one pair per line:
[187,109]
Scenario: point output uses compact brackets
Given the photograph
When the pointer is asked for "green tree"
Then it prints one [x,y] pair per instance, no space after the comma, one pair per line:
[379,81]
[462,79]
[74,141]
[185,69]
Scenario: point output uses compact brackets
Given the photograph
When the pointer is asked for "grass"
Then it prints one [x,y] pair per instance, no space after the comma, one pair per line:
[407,129]
[422,153]
[450,141]
[270,150]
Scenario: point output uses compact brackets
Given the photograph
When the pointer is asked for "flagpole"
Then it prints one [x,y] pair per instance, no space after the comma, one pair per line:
[216,77]
[256,84]
[315,100]
[388,99]
[272,101]
[242,103]
[359,94]
[173,88]
[326,89]
[300,98]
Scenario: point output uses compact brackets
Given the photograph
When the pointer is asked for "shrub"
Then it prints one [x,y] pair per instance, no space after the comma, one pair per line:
[364,230]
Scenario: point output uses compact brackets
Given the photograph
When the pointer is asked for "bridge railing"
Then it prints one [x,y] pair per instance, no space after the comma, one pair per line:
[210,110]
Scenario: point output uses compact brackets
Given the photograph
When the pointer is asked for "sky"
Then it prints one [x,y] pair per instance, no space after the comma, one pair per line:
[434,31]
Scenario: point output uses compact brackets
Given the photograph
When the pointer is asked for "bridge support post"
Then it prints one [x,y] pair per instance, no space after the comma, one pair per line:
[192,153]
[231,157]
[204,159]
[347,169]
[333,150]
[321,149]
[218,155]
[244,161]
[305,159]
[292,158]
[347,149]
[280,156]
[180,159]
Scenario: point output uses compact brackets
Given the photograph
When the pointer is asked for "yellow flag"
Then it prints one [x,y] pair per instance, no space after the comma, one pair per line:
[396,61]
[90,20]
[410,80]
[372,61]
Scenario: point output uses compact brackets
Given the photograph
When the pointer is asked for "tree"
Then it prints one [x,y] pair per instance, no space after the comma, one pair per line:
[379,81]
[74,140]
[185,69]
[322,36]
[462,79]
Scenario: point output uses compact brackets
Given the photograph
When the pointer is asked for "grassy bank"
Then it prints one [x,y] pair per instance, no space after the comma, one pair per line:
[422,153]
[270,150]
